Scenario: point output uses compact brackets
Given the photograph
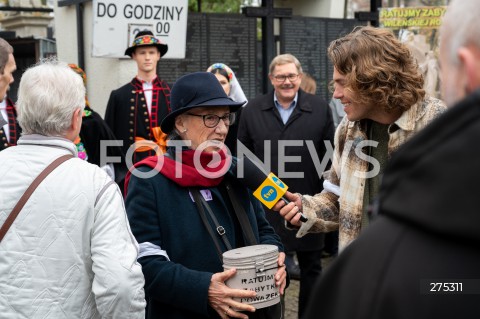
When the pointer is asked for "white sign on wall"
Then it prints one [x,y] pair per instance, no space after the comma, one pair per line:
[115,23]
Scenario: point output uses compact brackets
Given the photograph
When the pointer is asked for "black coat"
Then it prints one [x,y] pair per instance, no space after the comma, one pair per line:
[162,213]
[311,120]
[93,131]
[427,231]
[128,118]
[127,115]
[14,128]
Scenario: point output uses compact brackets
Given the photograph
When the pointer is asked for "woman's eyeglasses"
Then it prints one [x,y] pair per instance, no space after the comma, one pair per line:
[212,120]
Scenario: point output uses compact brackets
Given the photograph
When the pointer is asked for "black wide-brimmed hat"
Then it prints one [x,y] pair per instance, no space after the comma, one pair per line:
[146,38]
[199,89]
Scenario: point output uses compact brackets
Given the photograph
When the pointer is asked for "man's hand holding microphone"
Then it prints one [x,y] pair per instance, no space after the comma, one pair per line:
[290,212]
[272,192]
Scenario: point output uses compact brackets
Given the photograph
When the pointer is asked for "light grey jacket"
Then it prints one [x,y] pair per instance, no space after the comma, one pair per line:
[70,252]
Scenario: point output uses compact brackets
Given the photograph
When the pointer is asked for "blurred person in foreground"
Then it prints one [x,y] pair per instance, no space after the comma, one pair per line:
[69,253]
[420,258]
[181,262]
[381,88]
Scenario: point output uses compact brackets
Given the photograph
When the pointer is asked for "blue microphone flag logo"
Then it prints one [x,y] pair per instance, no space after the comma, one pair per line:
[269,193]
[278,181]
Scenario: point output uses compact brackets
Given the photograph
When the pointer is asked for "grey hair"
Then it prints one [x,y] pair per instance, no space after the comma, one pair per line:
[48,95]
[460,27]
[285,59]
[5,50]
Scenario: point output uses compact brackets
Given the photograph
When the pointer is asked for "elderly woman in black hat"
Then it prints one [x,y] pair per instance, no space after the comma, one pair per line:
[175,215]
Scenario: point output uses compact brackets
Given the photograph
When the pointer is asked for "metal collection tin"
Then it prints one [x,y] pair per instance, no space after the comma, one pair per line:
[256,267]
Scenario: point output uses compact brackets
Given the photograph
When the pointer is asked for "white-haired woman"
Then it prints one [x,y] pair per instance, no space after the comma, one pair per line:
[69,253]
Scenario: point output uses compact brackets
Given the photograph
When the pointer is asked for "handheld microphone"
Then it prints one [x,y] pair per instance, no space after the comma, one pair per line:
[266,187]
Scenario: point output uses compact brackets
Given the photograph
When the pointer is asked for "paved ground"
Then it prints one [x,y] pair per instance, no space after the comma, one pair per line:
[291,300]
[291,295]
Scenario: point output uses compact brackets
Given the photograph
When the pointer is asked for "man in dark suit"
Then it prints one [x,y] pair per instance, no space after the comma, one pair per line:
[9,128]
[293,129]
[135,110]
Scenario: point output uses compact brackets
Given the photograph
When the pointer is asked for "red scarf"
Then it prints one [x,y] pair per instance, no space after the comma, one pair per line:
[211,168]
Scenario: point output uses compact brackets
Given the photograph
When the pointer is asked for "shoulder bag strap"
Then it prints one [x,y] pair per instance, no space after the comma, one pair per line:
[18,207]
[241,215]
[201,203]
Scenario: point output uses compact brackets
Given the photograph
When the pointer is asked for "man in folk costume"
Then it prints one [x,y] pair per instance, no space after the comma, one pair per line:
[135,110]
[9,128]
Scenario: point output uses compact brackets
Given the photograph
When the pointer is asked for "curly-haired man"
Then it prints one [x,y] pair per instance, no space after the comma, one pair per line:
[381,88]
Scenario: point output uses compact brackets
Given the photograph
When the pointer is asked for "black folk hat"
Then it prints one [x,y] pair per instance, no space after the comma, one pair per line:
[146,38]
[199,89]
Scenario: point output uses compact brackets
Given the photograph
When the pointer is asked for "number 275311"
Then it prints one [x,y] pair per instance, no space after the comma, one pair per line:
[446,286]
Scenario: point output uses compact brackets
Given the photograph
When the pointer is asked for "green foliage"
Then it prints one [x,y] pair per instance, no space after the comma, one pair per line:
[219,6]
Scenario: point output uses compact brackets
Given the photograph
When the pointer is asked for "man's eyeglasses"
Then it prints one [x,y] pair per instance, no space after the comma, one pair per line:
[282,78]
[212,120]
